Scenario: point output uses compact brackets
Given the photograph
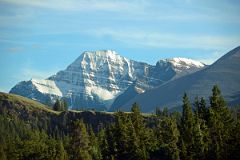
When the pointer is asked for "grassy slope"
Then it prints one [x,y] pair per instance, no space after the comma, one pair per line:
[22,101]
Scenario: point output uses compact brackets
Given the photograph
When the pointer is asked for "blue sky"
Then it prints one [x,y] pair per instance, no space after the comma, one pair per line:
[40,37]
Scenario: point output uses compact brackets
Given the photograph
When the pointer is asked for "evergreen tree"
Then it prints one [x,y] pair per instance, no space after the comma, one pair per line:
[80,142]
[57,106]
[187,127]
[134,141]
[61,154]
[95,150]
[200,136]
[201,109]
[103,144]
[142,133]
[64,105]
[107,143]
[167,137]
[235,141]
[220,125]
[121,134]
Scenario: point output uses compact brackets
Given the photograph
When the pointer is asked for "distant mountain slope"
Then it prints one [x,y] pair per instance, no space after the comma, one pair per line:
[36,114]
[225,72]
[168,69]
[96,79]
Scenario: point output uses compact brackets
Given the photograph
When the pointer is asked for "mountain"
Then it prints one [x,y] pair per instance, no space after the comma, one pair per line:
[95,79]
[225,72]
[168,69]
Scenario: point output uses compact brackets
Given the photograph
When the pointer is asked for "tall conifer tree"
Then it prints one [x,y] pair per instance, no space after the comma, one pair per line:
[187,127]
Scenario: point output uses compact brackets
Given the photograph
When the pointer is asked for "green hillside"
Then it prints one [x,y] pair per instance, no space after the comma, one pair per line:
[19,102]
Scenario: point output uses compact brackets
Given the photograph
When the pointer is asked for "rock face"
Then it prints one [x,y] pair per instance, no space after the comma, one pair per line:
[225,73]
[95,79]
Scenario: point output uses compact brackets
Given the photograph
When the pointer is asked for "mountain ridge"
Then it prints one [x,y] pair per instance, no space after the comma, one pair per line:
[95,79]
[224,72]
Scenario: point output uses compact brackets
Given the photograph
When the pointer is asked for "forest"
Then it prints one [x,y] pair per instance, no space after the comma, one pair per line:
[201,131]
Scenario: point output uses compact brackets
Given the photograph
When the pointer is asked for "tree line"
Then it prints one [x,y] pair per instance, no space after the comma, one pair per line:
[201,131]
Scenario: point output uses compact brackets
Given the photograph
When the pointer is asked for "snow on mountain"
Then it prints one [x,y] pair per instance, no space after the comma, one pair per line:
[224,73]
[182,66]
[95,79]
[47,87]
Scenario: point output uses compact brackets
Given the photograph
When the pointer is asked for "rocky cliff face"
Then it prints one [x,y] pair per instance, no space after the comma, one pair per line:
[95,79]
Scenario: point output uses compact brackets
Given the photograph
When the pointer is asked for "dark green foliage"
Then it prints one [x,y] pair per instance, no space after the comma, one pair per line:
[167,138]
[60,105]
[2,153]
[57,106]
[95,148]
[65,105]
[80,143]
[201,139]
[201,109]
[235,141]
[142,133]
[220,125]
[36,132]
[186,127]
[21,142]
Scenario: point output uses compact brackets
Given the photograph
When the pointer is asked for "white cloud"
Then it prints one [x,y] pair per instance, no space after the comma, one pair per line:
[167,40]
[80,5]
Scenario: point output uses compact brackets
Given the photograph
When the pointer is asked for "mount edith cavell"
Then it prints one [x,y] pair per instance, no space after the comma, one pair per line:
[104,80]
[178,109]
[119,80]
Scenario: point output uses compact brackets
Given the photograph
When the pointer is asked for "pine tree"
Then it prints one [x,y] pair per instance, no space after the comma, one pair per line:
[201,109]
[220,125]
[80,142]
[57,106]
[64,105]
[121,133]
[187,127]
[134,140]
[95,150]
[168,136]
[61,153]
[198,137]
[235,141]
[108,143]
[141,132]
[103,144]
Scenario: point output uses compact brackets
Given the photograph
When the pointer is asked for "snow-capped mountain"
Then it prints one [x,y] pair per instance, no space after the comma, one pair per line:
[225,73]
[95,79]
[181,66]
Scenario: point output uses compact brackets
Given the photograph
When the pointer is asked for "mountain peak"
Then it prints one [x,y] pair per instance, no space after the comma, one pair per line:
[180,62]
[98,56]
[101,53]
[177,61]
[97,78]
